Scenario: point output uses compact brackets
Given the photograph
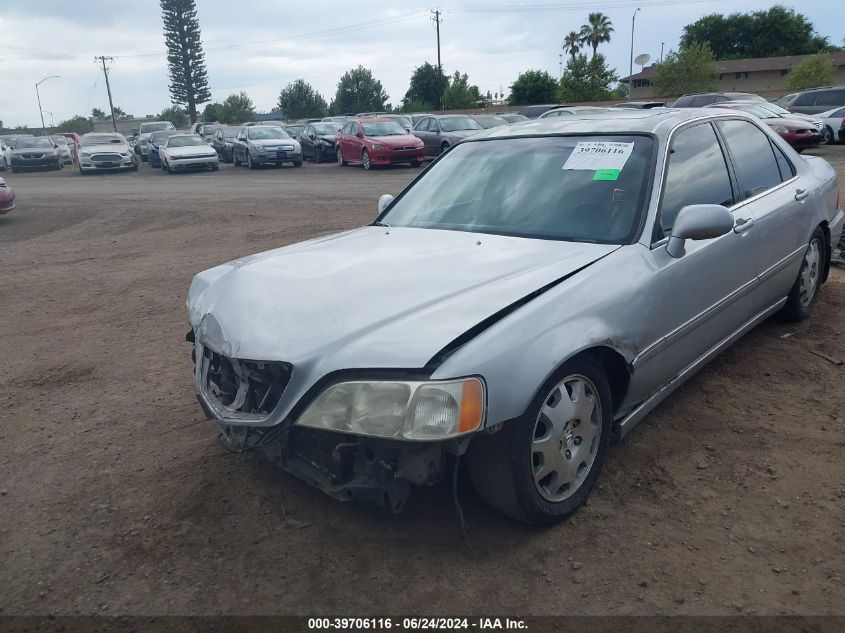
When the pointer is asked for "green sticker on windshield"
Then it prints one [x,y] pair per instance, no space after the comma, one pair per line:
[607,174]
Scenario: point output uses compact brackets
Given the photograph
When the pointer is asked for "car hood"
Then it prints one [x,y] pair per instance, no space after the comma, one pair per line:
[191,150]
[791,123]
[327,137]
[373,297]
[462,133]
[33,150]
[264,142]
[401,140]
[105,147]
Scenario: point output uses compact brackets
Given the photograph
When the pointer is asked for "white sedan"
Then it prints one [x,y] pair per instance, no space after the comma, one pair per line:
[834,125]
[187,151]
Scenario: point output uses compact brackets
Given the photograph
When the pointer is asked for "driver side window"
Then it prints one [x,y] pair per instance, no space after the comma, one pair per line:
[696,173]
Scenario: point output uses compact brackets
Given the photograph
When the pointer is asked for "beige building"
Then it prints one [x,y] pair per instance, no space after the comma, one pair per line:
[763,75]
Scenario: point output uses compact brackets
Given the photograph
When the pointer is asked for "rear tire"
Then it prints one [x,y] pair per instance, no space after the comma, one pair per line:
[541,467]
[805,290]
[416,163]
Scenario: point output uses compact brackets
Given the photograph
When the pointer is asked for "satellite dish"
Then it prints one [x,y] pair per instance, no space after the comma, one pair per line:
[642,59]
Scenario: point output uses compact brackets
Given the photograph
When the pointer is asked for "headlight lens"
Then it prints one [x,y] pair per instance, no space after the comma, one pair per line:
[410,410]
[780,130]
[380,148]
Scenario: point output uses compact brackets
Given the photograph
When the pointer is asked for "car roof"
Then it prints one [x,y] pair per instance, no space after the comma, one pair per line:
[659,121]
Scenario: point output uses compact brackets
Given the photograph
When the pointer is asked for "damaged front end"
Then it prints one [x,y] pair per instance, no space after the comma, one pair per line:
[330,439]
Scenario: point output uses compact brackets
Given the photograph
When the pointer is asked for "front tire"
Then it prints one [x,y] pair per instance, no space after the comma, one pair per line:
[340,160]
[805,290]
[249,163]
[443,147]
[318,156]
[829,137]
[235,160]
[365,160]
[541,467]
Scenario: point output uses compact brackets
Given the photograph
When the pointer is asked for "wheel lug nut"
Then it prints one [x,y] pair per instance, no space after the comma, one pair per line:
[577,441]
[568,454]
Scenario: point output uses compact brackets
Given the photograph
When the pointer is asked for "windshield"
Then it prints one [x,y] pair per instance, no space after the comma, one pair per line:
[33,142]
[754,110]
[102,139]
[158,137]
[491,121]
[208,130]
[185,141]
[146,128]
[771,107]
[456,123]
[59,140]
[402,120]
[326,128]
[257,132]
[383,128]
[294,130]
[528,187]
[230,132]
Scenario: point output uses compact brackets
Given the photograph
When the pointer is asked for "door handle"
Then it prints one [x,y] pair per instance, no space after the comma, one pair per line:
[800,194]
[743,224]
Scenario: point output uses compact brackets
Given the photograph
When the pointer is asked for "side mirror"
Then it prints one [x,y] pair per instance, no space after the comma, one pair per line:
[383,202]
[698,222]
[359,134]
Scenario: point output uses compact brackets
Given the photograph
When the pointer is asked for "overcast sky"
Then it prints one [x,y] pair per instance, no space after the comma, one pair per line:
[261,45]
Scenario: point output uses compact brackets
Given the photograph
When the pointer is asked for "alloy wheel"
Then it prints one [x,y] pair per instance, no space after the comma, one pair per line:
[566,437]
[810,269]
[365,159]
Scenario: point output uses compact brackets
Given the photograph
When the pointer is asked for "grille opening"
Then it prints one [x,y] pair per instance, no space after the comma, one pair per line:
[245,386]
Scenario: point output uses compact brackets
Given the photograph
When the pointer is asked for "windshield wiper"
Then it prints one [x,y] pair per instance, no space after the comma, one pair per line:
[380,224]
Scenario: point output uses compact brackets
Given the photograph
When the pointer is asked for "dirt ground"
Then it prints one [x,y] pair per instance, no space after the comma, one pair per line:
[115,496]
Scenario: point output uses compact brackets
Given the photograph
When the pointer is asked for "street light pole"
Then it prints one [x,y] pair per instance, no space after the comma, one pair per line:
[631,66]
[38,96]
[662,44]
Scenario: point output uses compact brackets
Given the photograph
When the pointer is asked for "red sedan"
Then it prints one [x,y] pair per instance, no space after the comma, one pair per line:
[376,141]
[798,132]
[7,197]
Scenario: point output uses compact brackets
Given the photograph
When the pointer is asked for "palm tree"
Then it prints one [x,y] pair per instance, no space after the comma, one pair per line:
[572,43]
[596,31]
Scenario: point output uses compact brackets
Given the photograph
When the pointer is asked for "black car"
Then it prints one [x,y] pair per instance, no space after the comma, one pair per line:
[533,111]
[318,141]
[222,141]
[36,152]
[699,99]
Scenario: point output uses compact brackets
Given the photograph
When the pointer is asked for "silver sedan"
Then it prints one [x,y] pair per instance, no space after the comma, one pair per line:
[537,289]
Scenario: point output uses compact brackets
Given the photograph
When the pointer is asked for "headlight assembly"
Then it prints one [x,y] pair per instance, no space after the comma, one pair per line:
[405,410]
[379,148]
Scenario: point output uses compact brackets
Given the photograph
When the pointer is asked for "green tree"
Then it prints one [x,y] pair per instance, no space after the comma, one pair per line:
[416,106]
[586,79]
[691,69]
[426,87]
[359,91]
[98,114]
[460,94]
[212,112]
[597,30]
[78,124]
[817,70]
[120,113]
[572,43]
[185,57]
[299,99]
[533,86]
[177,116]
[771,33]
[237,108]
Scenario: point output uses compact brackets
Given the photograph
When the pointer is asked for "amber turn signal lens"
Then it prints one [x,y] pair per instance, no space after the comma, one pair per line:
[472,405]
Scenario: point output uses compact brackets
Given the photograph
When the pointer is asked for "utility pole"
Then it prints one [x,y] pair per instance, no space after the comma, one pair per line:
[662,44]
[560,71]
[437,19]
[38,96]
[631,68]
[102,59]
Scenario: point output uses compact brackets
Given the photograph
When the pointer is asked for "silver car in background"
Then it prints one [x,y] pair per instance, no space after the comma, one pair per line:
[538,288]
[105,151]
[143,138]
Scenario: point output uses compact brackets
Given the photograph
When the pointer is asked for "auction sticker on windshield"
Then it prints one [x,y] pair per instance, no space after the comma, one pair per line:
[599,155]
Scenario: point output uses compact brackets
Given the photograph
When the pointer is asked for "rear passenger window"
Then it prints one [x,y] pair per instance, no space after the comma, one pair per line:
[696,174]
[754,159]
[703,101]
[831,97]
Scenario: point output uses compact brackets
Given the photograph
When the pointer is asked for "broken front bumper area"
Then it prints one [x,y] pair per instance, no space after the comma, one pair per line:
[348,467]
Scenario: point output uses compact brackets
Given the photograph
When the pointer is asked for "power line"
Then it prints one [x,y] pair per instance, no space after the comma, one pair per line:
[557,7]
